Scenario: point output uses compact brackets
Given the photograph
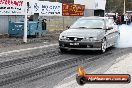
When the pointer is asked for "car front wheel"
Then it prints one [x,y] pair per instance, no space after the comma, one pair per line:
[63,50]
[103,45]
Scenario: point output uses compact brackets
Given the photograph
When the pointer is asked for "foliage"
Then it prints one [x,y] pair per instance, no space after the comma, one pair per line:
[118,5]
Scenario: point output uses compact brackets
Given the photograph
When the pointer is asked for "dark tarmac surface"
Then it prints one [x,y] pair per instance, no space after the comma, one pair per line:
[52,67]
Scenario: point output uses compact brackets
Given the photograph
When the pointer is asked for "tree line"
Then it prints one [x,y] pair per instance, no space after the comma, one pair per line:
[118,6]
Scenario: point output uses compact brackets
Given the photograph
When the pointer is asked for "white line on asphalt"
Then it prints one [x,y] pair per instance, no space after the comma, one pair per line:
[21,50]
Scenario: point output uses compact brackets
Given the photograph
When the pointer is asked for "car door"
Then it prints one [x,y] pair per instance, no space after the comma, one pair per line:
[109,34]
[114,33]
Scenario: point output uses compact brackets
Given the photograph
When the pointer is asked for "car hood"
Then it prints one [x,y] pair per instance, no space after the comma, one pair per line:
[82,32]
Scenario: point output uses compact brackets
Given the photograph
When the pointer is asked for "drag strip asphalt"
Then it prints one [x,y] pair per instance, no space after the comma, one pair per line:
[63,65]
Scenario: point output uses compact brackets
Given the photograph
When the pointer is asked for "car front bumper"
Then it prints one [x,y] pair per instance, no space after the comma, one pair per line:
[79,45]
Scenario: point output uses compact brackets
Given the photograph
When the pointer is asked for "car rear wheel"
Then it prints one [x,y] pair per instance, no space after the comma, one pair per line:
[103,45]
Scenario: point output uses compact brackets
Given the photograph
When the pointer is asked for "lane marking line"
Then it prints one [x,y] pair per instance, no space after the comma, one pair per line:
[27,49]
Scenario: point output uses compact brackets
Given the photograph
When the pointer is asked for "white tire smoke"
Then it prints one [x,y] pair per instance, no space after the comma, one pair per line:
[125,39]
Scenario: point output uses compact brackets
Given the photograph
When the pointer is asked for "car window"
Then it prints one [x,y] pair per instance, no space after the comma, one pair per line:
[88,23]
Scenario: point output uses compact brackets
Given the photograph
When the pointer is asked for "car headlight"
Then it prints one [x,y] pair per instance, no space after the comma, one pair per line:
[90,39]
[62,38]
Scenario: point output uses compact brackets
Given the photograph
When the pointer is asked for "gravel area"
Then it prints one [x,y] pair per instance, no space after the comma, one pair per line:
[6,41]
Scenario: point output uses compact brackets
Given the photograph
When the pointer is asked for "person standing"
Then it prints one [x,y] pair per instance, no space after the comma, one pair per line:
[119,20]
[125,18]
[122,19]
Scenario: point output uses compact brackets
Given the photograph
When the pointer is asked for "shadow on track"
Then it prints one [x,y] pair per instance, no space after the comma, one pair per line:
[89,52]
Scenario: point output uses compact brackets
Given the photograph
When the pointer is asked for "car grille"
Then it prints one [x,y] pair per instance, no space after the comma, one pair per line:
[77,46]
[74,38]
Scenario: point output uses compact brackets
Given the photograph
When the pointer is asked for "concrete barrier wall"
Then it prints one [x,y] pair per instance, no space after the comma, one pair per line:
[4,24]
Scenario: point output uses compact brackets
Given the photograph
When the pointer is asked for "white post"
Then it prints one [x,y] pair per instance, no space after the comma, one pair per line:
[124,6]
[25,24]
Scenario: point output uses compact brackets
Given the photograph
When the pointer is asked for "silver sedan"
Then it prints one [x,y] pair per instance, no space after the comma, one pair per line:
[89,33]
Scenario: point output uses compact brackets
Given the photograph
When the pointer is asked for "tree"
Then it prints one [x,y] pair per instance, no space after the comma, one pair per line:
[118,6]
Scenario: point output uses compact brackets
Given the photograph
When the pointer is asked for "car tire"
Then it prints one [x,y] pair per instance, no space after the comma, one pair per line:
[103,45]
[63,50]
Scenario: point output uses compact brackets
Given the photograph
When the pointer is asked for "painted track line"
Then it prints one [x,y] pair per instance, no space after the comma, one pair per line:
[27,49]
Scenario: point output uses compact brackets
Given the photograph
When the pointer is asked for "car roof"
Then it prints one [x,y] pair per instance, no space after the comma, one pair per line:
[94,17]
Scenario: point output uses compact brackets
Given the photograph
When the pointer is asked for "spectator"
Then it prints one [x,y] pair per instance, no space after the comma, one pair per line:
[44,25]
[122,19]
[119,20]
[125,19]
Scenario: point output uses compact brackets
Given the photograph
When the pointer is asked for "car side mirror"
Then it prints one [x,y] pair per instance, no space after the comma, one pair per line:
[67,27]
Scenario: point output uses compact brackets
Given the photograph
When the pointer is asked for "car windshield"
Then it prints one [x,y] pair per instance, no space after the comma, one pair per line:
[89,24]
